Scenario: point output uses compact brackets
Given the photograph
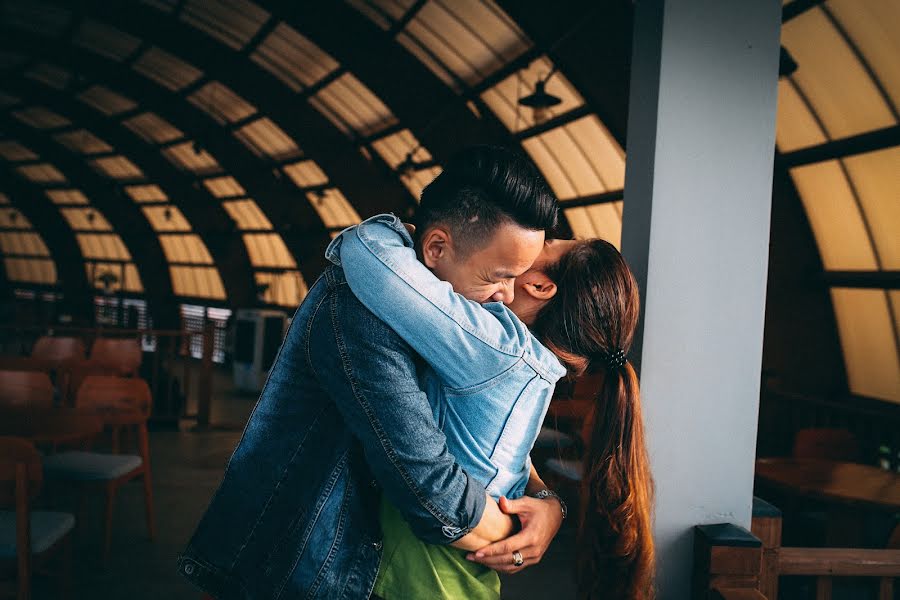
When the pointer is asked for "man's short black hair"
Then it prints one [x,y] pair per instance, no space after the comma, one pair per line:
[482,187]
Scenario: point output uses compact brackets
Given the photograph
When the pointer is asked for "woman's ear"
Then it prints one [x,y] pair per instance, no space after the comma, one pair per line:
[539,286]
[436,245]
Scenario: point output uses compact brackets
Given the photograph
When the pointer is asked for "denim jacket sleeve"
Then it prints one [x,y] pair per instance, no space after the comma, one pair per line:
[465,342]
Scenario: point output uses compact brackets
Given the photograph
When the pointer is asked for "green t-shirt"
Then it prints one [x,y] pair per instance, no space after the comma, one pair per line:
[411,569]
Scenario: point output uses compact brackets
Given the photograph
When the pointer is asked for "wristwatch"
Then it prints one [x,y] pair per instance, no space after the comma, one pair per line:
[547,493]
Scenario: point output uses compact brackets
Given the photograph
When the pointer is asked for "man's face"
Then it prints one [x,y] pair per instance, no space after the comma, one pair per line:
[488,273]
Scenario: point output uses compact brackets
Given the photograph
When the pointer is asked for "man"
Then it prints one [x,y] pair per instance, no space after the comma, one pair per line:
[343,415]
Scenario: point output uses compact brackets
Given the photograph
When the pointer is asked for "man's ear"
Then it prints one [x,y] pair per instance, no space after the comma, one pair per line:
[437,244]
[539,286]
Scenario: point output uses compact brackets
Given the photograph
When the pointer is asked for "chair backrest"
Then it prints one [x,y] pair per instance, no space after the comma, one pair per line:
[15,451]
[59,348]
[825,443]
[105,391]
[123,354]
[25,389]
[72,375]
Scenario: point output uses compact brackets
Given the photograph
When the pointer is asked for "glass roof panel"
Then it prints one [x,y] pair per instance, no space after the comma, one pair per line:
[840,91]
[185,248]
[416,181]
[221,103]
[117,167]
[166,218]
[232,22]
[41,173]
[796,125]
[106,101]
[85,219]
[146,193]
[429,60]
[394,148]
[292,58]
[67,196]
[834,216]
[41,118]
[306,173]
[333,208]
[597,221]
[579,159]
[265,138]
[23,243]
[167,70]
[382,12]
[109,276]
[503,98]
[876,178]
[105,40]
[153,128]
[191,157]
[351,106]
[223,187]
[867,337]
[36,16]
[13,151]
[13,219]
[83,141]
[197,282]
[268,250]
[247,214]
[285,289]
[107,246]
[24,270]
[50,75]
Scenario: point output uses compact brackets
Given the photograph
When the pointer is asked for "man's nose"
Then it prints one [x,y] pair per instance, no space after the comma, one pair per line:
[504,295]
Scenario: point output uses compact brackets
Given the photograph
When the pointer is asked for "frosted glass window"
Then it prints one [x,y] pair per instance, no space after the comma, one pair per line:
[796,126]
[265,138]
[191,157]
[42,173]
[187,248]
[834,217]
[838,88]
[50,75]
[382,12]
[333,208]
[102,246]
[83,141]
[429,60]
[14,151]
[105,40]
[503,98]
[146,193]
[110,276]
[197,282]
[24,270]
[221,103]
[247,214]
[232,22]
[166,218]
[351,106]
[876,177]
[41,118]
[284,289]
[85,219]
[418,180]
[23,243]
[13,219]
[153,128]
[306,174]
[394,148]
[867,337]
[268,250]
[222,187]
[106,101]
[167,70]
[597,221]
[292,58]
[67,196]
[117,167]
[579,159]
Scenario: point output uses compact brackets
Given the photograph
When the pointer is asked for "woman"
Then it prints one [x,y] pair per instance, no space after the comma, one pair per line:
[580,302]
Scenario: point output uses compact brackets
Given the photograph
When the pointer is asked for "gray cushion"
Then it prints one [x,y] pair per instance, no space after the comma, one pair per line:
[570,469]
[89,466]
[47,528]
[551,438]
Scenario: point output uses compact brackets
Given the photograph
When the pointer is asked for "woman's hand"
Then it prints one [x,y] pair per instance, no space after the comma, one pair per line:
[541,520]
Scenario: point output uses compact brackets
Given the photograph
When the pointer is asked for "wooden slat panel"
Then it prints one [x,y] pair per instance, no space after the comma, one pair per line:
[839,561]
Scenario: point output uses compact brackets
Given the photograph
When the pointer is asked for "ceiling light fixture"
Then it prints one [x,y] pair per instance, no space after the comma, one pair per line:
[539,101]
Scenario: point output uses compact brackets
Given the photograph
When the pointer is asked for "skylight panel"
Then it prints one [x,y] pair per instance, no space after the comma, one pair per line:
[197,282]
[305,174]
[351,106]
[394,148]
[24,270]
[117,167]
[103,246]
[41,118]
[166,218]
[292,58]
[247,214]
[191,157]
[333,208]
[265,138]
[105,40]
[110,276]
[67,196]
[232,22]
[268,250]
[85,219]
[14,151]
[23,243]
[153,128]
[597,221]
[106,101]
[796,125]
[83,141]
[146,193]
[42,173]
[187,248]
[284,289]
[50,75]
[224,187]
[221,103]
[418,180]
[167,70]
[382,12]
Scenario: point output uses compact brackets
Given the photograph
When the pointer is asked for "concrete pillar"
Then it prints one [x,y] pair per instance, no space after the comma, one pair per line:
[701,136]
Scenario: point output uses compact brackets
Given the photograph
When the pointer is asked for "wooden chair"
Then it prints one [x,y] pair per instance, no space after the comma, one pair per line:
[44,533]
[59,349]
[72,374]
[25,390]
[122,354]
[119,402]
[830,444]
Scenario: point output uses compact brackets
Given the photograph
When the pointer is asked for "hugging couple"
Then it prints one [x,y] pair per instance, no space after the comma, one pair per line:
[388,454]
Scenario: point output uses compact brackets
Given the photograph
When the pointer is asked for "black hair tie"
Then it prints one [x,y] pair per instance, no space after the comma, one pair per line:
[615,359]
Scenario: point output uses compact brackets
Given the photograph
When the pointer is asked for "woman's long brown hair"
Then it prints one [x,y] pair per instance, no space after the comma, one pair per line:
[594,314]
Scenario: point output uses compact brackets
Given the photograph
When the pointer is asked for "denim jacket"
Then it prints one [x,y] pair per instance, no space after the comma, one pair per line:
[296,514]
[491,380]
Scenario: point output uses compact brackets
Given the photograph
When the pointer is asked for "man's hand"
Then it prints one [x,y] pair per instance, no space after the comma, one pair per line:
[540,519]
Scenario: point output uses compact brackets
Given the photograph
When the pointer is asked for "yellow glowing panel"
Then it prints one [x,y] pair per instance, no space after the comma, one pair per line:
[503,98]
[268,250]
[265,138]
[85,219]
[796,127]
[167,70]
[306,174]
[102,246]
[188,248]
[430,62]
[333,208]
[106,101]
[193,158]
[197,282]
[166,218]
[840,91]
[285,289]
[394,148]
[41,118]
[834,217]
[382,12]
[894,296]
[417,181]
[67,197]
[23,243]
[876,177]
[222,187]
[221,103]
[146,193]
[153,128]
[14,151]
[348,103]
[14,219]
[232,22]
[42,173]
[597,221]
[247,214]
[867,337]
[117,167]
[26,270]
[292,58]
[110,276]
[83,142]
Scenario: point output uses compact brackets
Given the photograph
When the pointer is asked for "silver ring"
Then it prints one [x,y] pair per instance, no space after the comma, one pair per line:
[517,559]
